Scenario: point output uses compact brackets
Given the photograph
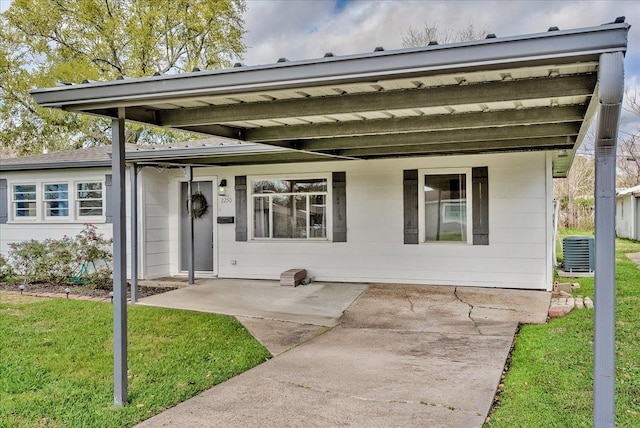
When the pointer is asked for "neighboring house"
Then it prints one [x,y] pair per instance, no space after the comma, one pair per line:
[628,213]
[432,165]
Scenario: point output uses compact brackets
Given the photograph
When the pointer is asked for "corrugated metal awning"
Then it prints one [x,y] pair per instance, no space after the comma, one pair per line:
[533,92]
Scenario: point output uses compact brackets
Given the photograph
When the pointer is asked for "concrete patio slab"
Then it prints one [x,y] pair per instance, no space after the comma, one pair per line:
[318,303]
[401,356]
[280,336]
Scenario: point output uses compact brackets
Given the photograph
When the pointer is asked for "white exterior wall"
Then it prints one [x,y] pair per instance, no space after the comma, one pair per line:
[519,254]
[153,223]
[520,233]
[23,230]
[627,217]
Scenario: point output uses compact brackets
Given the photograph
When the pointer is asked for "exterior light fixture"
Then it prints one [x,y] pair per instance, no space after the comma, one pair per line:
[562,154]
[111,296]
[222,187]
[66,290]
[22,287]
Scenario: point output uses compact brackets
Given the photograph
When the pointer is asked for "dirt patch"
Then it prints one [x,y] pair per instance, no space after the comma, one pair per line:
[82,290]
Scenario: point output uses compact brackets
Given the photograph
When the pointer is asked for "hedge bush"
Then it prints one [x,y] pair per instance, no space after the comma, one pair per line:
[84,258]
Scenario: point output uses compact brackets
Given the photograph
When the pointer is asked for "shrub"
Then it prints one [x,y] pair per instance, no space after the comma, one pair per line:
[64,260]
[6,271]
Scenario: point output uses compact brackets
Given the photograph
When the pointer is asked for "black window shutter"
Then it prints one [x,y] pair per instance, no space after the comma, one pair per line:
[480,195]
[4,201]
[108,213]
[339,199]
[241,207]
[410,186]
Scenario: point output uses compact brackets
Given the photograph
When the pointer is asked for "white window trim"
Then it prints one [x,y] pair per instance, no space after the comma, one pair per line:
[12,201]
[421,220]
[76,201]
[41,216]
[328,210]
[69,200]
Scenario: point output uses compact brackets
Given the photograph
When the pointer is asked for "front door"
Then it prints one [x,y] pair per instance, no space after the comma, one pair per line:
[202,228]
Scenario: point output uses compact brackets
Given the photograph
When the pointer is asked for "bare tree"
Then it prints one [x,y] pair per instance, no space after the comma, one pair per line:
[629,144]
[575,193]
[416,37]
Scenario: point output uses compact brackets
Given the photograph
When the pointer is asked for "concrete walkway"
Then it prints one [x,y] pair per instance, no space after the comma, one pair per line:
[634,257]
[401,356]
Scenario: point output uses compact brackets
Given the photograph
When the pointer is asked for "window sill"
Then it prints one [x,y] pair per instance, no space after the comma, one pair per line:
[51,221]
[292,240]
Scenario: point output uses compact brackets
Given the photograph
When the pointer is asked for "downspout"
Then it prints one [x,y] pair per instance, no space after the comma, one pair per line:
[610,91]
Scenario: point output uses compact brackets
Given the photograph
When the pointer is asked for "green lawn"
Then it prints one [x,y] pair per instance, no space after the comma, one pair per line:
[56,361]
[550,381]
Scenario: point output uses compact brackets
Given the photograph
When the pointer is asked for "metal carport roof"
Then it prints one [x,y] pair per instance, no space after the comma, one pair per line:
[532,92]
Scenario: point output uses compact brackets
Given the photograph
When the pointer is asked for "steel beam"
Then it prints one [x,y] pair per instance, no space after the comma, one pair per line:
[119,261]
[462,147]
[437,137]
[440,122]
[610,91]
[512,90]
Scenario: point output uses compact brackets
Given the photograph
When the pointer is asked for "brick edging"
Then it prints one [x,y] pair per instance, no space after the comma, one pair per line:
[62,296]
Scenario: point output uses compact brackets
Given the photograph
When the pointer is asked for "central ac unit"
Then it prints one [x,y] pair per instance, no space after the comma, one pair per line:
[579,254]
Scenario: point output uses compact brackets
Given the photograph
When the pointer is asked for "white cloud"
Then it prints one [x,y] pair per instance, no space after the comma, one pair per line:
[307,29]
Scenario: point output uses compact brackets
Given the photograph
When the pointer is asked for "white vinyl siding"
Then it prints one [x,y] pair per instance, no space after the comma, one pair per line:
[516,256]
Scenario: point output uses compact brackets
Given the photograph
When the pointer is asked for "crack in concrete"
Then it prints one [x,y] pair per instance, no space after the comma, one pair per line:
[475,324]
[410,303]
[371,400]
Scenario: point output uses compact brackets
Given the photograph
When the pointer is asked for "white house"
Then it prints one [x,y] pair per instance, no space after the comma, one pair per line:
[425,166]
[628,213]
[342,221]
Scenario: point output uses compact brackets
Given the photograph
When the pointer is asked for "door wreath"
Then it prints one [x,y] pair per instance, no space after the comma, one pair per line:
[199,205]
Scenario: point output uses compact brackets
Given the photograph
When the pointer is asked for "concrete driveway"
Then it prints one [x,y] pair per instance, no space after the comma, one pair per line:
[400,356]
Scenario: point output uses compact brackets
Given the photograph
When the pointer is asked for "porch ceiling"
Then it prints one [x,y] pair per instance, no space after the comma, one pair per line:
[535,92]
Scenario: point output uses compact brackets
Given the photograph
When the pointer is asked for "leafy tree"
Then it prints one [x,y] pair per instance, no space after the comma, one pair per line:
[43,42]
[417,37]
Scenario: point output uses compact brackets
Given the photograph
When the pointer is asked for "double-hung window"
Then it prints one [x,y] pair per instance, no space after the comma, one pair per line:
[89,199]
[24,201]
[56,200]
[289,208]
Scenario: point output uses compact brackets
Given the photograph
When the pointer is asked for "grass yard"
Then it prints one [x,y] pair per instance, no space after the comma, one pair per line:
[56,361]
[550,381]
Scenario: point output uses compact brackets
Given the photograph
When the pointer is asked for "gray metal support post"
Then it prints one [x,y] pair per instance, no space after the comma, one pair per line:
[191,247]
[133,171]
[119,261]
[610,90]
